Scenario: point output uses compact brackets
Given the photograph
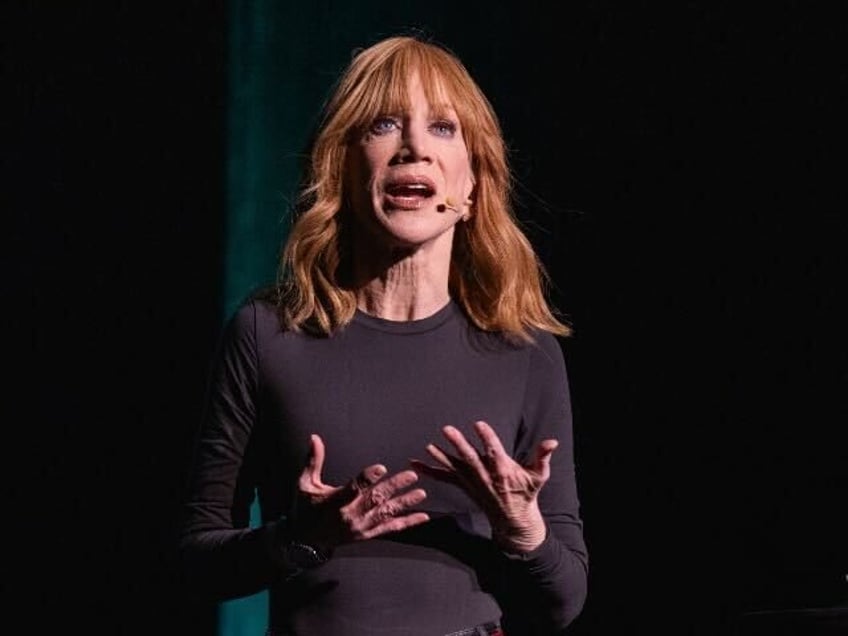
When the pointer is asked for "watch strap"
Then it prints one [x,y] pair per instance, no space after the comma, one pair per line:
[304,556]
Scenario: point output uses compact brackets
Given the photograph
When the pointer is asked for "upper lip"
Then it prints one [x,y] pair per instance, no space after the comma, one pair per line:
[410,180]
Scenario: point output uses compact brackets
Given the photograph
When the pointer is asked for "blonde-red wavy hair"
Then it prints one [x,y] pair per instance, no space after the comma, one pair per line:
[495,275]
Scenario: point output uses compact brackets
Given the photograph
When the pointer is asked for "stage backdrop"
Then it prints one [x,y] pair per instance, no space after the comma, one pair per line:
[674,168]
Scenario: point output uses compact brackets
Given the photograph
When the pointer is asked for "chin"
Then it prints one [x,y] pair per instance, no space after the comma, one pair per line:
[411,235]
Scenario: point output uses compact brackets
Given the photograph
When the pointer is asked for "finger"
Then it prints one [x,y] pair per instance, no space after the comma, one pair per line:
[394,507]
[386,489]
[467,453]
[396,524]
[396,482]
[311,475]
[445,475]
[317,453]
[541,465]
[493,448]
[440,456]
[367,478]
[380,501]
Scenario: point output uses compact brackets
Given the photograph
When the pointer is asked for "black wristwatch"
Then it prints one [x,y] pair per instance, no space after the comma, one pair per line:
[303,556]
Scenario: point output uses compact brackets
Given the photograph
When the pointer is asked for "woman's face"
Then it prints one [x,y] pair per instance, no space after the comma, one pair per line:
[404,169]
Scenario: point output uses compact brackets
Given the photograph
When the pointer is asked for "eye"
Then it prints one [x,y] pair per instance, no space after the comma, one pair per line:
[383,124]
[444,128]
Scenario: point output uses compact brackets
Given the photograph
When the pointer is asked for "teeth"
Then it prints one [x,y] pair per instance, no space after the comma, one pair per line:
[417,188]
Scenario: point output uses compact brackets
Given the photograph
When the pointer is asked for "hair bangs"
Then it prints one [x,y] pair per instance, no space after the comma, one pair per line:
[380,86]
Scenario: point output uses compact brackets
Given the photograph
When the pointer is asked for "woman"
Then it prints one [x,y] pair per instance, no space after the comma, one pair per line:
[409,323]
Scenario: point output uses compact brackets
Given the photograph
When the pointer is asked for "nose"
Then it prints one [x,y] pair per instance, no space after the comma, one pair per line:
[414,144]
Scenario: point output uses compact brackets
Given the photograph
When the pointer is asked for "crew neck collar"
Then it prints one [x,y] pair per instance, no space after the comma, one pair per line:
[420,325]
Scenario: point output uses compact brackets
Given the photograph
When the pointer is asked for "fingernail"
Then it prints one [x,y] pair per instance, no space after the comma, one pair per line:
[380,471]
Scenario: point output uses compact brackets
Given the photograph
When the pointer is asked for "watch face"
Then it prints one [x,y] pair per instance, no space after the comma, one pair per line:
[304,556]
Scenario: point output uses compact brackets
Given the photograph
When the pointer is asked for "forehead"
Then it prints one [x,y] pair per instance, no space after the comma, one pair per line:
[401,94]
[383,86]
[434,103]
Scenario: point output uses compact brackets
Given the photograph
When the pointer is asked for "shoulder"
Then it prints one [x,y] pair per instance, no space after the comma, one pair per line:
[542,346]
[546,344]
[546,353]
[254,318]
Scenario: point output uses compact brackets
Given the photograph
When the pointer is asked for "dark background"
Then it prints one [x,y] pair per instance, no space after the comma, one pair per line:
[681,171]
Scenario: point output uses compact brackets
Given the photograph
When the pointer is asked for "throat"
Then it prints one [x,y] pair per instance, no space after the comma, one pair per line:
[403,293]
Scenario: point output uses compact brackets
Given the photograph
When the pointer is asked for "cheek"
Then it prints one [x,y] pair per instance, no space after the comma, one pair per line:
[359,179]
[356,194]
[373,158]
[363,164]
[463,175]
[460,168]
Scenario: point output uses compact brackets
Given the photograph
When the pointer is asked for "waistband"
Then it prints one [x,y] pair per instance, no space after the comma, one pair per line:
[486,629]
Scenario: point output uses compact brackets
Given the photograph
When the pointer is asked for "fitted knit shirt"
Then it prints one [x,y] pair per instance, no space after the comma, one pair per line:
[379,391]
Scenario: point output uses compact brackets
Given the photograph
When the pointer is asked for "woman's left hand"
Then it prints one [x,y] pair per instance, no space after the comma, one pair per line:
[505,490]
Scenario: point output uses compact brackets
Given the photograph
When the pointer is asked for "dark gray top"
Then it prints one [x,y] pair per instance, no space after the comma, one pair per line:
[379,391]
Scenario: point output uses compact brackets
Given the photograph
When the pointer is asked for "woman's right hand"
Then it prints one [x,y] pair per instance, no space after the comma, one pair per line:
[368,506]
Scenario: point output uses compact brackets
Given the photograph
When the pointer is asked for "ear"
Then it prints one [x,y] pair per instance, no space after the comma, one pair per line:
[470,188]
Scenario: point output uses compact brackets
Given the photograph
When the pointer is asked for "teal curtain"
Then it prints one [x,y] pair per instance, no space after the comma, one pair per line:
[258,180]
[277,81]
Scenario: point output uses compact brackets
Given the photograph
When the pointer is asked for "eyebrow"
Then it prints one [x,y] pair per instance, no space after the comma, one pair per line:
[444,111]
[442,108]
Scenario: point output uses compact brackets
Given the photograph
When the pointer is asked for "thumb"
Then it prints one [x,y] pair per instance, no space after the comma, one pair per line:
[541,465]
[311,474]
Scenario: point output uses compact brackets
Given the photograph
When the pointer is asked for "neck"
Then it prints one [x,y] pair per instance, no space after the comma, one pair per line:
[405,284]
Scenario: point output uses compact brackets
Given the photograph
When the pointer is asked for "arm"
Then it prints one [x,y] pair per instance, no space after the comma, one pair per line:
[223,557]
[529,495]
[550,582]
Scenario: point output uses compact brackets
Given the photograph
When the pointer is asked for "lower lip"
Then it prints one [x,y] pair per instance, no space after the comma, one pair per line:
[405,203]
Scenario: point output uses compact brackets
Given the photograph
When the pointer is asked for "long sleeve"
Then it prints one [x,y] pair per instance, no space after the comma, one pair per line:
[223,557]
[548,586]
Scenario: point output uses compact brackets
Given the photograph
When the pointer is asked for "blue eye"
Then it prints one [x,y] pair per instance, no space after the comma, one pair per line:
[444,128]
[383,125]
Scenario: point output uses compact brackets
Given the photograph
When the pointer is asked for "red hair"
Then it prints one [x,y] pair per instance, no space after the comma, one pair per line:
[495,274]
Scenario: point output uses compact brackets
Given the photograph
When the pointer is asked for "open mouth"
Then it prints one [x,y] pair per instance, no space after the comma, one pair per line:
[409,192]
